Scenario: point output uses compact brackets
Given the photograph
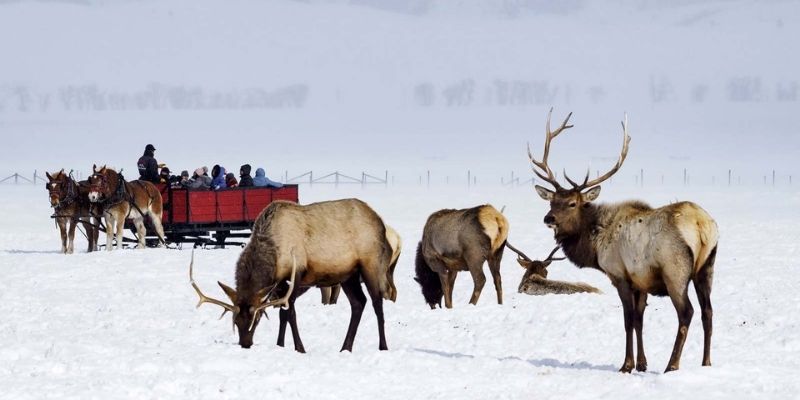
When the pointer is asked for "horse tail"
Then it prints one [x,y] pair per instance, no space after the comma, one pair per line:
[428,280]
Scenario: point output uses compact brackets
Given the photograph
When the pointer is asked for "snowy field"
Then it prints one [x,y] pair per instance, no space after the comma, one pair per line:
[123,324]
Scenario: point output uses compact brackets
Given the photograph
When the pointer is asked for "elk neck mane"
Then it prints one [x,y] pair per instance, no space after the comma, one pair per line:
[255,268]
[581,247]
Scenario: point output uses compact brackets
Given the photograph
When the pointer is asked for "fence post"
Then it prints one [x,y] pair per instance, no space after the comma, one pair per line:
[685,179]
[386,178]
[773,177]
[641,180]
[469,178]
[310,178]
[429,178]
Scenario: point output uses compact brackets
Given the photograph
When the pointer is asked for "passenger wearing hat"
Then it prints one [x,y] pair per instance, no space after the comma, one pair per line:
[148,166]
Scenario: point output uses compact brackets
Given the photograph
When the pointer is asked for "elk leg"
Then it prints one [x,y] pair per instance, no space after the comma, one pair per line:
[640,301]
[372,281]
[298,344]
[702,285]
[626,296]
[325,294]
[494,268]
[448,282]
[352,289]
[680,299]
[479,279]
[283,316]
[335,290]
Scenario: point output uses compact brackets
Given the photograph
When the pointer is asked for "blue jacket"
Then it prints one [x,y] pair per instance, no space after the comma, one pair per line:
[261,180]
[219,181]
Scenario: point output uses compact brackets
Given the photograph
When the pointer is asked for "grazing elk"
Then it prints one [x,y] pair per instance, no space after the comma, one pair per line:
[331,294]
[70,205]
[460,240]
[534,281]
[119,200]
[320,244]
[642,250]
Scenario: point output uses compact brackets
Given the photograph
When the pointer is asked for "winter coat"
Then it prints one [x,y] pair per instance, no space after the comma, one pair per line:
[262,180]
[218,181]
[199,182]
[230,180]
[148,167]
[245,179]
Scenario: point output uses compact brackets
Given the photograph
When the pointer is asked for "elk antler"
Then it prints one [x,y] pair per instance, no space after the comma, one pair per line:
[283,301]
[519,252]
[550,135]
[550,258]
[206,299]
[624,153]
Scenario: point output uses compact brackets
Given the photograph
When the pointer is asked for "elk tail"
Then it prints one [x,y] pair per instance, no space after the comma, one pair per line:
[428,280]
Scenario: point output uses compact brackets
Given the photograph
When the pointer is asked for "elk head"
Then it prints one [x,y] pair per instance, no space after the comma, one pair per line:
[536,267]
[247,310]
[566,216]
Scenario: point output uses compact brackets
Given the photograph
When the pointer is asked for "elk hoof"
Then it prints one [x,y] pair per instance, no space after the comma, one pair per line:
[641,367]
[626,369]
[671,368]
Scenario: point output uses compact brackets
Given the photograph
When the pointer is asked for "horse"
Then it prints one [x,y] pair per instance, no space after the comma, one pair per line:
[120,200]
[70,205]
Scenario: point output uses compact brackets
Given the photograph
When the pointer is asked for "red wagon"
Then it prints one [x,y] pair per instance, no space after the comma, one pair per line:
[206,217]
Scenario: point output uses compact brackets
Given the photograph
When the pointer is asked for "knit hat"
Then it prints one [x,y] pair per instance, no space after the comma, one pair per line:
[199,171]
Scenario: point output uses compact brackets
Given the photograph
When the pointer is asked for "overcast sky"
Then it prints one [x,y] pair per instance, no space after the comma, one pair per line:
[402,85]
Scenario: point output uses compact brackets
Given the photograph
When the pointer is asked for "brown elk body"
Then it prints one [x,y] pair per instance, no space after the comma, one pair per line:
[642,250]
[320,244]
[460,240]
[119,200]
[330,294]
[534,281]
[70,204]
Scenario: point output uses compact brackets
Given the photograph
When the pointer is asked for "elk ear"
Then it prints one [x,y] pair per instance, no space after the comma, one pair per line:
[229,291]
[545,193]
[591,194]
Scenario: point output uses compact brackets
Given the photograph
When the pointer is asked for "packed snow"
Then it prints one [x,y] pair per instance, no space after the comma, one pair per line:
[123,324]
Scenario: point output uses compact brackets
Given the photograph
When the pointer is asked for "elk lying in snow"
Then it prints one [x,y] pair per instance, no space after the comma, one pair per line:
[321,244]
[535,282]
[331,294]
[641,249]
[460,240]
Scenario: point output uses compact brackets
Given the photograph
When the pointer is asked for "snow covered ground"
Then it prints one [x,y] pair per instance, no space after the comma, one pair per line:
[123,324]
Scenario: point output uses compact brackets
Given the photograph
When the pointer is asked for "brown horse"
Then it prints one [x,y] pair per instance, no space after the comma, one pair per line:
[120,200]
[70,206]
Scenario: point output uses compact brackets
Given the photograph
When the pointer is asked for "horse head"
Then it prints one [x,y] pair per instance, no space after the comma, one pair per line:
[58,186]
[102,183]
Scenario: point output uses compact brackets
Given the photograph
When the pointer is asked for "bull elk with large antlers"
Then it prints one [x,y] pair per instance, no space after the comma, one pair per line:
[643,250]
[320,244]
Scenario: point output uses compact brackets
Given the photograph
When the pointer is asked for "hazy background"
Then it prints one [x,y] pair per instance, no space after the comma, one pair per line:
[401,85]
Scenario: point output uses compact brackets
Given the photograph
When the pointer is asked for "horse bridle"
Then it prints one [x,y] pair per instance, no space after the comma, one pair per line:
[66,192]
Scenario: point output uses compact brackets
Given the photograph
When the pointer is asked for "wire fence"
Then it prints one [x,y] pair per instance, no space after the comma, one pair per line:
[470,179]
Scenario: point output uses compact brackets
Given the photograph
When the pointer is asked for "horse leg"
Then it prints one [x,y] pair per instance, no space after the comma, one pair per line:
[141,231]
[62,227]
[71,236]
[120,218]
[156,220]
[352,289]
[110,228]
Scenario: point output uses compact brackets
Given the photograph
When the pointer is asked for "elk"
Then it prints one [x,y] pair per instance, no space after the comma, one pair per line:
[535,282]
[320,244]
[642,250]
[331,294]
[460,240]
